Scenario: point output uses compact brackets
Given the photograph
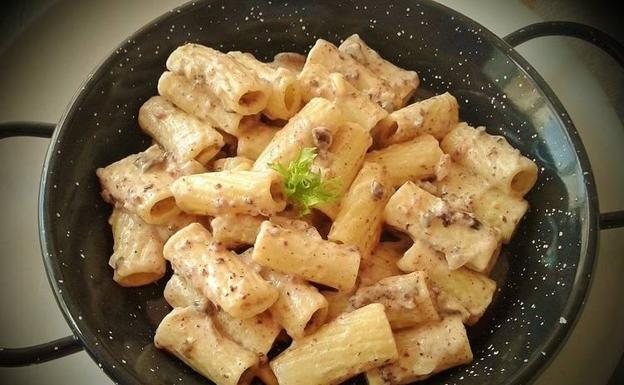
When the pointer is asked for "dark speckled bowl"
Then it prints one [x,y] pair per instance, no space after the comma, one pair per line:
[543,274]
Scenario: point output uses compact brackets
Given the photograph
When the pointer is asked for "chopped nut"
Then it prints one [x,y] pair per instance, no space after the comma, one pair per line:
[377,189]
[322,137]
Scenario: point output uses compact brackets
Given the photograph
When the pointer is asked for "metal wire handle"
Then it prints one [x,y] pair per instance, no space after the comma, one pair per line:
[49,350]
[591,35]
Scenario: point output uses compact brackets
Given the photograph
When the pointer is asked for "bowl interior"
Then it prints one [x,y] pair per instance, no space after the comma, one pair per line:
[542,274]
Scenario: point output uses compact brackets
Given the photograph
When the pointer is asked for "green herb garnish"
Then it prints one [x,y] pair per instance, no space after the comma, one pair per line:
[303,187]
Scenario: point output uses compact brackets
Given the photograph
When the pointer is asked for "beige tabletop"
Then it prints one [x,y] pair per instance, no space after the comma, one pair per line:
[49,58]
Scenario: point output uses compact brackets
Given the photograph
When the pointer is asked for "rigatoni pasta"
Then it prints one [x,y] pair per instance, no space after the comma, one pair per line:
[326,54]
[285,98]
[406,299]
[141,183]
[198,100]
[217,273]
[341,156]
[355,106]
[184,135]
[290,60]
[192,336]
[317,81]
[300,309]
[467,191]
[298,133]
[233,230]
[179,293]
[308,201]
[237,192]
[473,290]
[458,235]
[424,351]
[137,257]
[137,251]
[253,136]
[304,253]
[239,88]
[435,116]
[382,263]
[352,343]
[234,163]
[492,157]
[409,161]
[402,82]
[338,303]
[257,333]
[359,221]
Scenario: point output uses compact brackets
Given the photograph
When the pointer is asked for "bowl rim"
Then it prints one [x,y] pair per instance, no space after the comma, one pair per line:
[528,373]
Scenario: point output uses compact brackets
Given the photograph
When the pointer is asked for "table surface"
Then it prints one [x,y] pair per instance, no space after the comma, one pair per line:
[46,63]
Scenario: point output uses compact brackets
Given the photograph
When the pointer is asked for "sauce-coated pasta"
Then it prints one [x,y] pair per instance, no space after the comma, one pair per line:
[277,192]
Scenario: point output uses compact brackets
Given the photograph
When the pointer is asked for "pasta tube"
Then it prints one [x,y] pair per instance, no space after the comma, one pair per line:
[230,192]
[356,106]
[253,136]
[424,351]
[233,230]
[298,133]
[360,218]
[465,190]
[413,160]
[185,136]
[302,252]
[238,88]
[197,99]
[341,160]
[458,235]
[141,182]
[492,157]
[178,293]
[255,333]
[217,273]
[449,306]
[300,308]
[406,299]
[317,81]
[474,291]
[290,60]
[381,264]
[193,337]
[137,250]
[285,98]
[235,163]
[435,116]
[338,303]
[402,82]
[326,54]
[352,343]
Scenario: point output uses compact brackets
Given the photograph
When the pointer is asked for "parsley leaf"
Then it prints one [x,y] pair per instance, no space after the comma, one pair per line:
[303,187]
